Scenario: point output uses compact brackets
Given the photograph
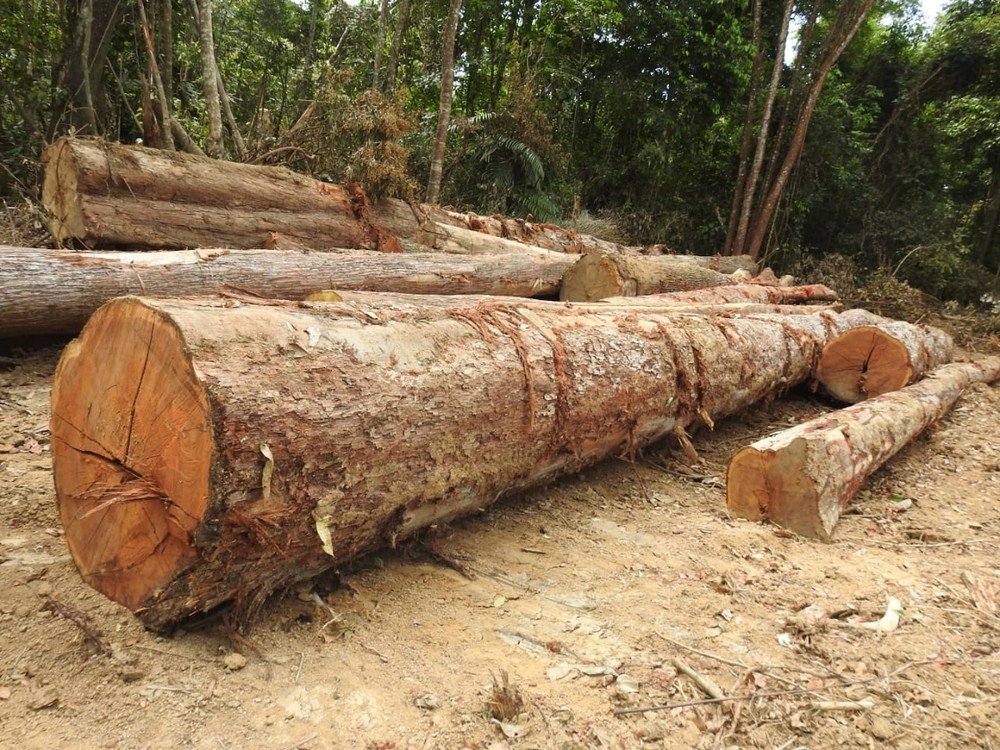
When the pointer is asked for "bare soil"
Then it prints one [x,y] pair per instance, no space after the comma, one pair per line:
[583,594]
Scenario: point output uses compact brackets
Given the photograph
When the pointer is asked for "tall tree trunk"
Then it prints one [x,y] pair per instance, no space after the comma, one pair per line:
[210,76]
[444,108]
[163,36]
[305,85]
[399,33]
[383,22]
[166,119]
[852,16]
[741,169]
[792,95]
[992,217]
[82,101]
[750,189]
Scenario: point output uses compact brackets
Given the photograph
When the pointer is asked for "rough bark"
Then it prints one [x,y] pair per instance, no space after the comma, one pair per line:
[55,291]
[879,356]
[759,293]
[107,195]
[803,477]
[598,276]
[207,453]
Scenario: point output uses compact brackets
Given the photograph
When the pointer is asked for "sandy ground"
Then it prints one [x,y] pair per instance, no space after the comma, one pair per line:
[583,593]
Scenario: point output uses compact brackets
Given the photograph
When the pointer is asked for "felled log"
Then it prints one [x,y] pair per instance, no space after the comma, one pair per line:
[803,477]
[759,293]
[212,452]
[105,194]
[598,276]
[879,356]
[687,308]
[46,291]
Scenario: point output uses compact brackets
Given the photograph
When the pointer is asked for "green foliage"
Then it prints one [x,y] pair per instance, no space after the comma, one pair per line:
[573,109]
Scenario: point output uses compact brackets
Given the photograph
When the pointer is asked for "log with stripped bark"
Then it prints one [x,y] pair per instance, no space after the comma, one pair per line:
[212,452]
[759,293]
[46,291]
[879,356]
[598,276]
[103,194]
[803,477]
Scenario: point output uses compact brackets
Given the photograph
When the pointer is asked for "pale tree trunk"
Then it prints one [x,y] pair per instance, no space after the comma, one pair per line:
[444,107]
[853,18]
[87,25]
[750,188]
[792,94]
[163,35]
[166,119]
[210,77]
[741,168]
[399,33]
[383,22]
[207,453]
[802,478]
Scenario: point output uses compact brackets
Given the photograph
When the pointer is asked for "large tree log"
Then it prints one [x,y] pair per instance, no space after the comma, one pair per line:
[55,291]
[111,195]
[803,477]
[598,276]
[879,356]
[760,293]
[210,452]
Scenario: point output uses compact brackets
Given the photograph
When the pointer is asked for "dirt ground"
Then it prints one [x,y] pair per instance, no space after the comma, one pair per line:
[585,594]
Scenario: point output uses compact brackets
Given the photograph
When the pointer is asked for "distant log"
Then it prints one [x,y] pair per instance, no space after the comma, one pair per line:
[54,291]
[760,293]
[103,194]
[207,453]
[879,356]
[803,477]
[598,276]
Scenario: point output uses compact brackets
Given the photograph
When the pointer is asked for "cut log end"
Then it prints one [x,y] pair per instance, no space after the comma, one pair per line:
[60,195]
[131,451]
[764,485]
[862,363]
[594,277]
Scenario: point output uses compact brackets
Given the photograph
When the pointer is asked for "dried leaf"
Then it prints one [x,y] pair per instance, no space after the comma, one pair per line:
[265,477]
[323,529]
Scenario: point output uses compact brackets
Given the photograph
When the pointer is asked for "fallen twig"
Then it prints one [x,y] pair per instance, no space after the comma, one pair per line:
[82,620]
[768,694]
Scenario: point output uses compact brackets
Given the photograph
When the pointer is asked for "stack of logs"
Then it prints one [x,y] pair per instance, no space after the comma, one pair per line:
[344,374]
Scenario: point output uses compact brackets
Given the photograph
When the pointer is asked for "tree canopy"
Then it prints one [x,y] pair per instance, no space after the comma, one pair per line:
[629,118]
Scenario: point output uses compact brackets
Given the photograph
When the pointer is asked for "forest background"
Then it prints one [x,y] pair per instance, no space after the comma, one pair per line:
[828,136]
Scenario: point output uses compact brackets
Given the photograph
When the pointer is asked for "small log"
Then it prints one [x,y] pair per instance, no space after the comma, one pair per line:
[46,291]
[802,478]
[598,276]
[880,356]
[738,293]
[212,452]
